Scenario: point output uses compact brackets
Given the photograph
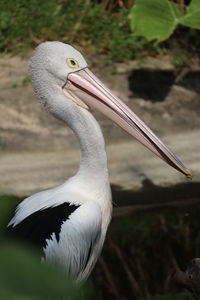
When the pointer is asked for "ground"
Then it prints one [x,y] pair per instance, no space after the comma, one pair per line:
[38,151]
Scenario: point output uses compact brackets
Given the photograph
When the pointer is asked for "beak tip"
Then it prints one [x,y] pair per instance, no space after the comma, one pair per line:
[189,175]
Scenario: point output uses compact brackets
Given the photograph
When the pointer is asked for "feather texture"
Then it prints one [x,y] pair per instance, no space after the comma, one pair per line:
[39,226]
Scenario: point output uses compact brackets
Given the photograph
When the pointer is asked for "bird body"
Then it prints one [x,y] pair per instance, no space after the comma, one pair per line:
[69,222]
[82,229]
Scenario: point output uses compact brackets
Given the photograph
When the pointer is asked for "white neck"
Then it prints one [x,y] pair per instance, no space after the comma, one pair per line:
[93,161]
[92,176]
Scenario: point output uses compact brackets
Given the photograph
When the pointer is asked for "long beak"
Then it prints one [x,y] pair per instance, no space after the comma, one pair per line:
[84,88]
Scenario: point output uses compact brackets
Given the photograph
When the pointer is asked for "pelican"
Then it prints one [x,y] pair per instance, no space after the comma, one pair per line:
[69,222]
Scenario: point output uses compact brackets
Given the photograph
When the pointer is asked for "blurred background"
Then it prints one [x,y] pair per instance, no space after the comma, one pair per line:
[153,64]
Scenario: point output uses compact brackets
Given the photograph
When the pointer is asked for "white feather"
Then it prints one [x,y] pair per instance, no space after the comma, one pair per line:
[77,235]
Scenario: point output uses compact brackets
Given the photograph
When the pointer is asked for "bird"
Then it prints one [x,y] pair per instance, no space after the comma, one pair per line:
[68,223]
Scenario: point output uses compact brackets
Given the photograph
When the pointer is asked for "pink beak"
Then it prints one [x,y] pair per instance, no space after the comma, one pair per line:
[84,88]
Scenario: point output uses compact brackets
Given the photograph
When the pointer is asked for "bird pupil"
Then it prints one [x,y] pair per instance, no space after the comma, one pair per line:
[72,62]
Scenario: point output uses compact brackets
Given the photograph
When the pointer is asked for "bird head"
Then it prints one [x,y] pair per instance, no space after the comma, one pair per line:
[59,69]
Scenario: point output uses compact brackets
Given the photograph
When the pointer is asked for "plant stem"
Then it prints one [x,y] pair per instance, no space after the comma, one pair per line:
[133,282]
[182,6]
[110,279]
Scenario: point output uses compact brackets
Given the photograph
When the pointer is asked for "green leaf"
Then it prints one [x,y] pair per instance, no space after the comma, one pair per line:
[23,277]
[192,16]
[155,19]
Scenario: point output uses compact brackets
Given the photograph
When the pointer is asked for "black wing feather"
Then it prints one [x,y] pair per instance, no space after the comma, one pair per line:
[38,227]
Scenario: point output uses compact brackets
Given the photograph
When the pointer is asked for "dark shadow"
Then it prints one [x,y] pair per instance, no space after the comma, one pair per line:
[151,193]
[191,81]
[154,85]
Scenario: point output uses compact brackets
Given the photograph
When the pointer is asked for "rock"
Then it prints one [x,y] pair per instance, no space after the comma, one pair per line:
[190,279]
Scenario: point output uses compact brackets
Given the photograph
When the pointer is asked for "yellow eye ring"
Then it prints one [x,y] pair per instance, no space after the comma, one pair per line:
[72,63]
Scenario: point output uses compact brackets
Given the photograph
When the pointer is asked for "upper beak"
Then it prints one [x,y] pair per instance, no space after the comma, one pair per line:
[87,90]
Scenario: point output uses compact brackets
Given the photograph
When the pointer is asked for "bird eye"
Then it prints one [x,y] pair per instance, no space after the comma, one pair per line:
[72,63]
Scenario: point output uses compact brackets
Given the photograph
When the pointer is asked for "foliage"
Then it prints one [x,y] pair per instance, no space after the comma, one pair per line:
[96,26]
[157,19]
[7,204]
[87,24]
[143,251]
[23,277]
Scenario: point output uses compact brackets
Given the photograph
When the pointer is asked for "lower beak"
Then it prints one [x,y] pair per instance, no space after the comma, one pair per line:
[84,88]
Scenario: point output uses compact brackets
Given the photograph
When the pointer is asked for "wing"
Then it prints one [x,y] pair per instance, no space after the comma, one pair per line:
[67,235]
[39,226]
[77,249]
